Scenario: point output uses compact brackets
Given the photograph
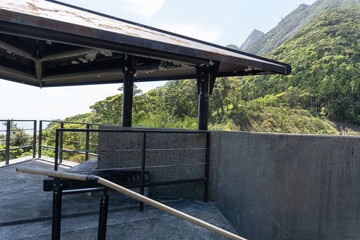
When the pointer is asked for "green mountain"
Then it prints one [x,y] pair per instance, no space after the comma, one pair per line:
[293,23]
[325,56]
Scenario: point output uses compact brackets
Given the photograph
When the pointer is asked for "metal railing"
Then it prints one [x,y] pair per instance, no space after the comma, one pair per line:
[144,150]
[58,150]
[8,134]
[56,226]
[62,124]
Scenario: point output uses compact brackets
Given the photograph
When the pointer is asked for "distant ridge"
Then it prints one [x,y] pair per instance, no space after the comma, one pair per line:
[233,46]
[254,35]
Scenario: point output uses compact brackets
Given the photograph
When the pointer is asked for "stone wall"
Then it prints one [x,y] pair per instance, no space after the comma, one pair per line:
[161,152]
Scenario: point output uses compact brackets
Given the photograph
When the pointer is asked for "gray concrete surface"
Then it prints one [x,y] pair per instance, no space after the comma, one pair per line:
[26,213]
[129,224]
[22,198]
[268,186]
[280,186]
[157,161]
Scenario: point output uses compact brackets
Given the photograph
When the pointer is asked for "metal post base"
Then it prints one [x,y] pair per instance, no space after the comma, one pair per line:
[104,205]
[56,215]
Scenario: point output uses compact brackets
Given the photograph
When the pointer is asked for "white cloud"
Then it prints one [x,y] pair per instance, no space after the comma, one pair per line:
[199,32]
[145,8]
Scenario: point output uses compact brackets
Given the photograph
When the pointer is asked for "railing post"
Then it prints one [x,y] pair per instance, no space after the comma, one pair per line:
[61,142]
[56,214]
[56,150]
[34,140]
[142,174]
[40,138]
[7,153]
[104,205]
[207,168]
[87,142]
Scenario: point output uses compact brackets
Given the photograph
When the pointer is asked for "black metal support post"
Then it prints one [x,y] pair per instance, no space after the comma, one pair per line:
[203,77]
[40,138]
[104,206]
[8,126]
[61,142]
[142,174]
[56,165]
[87,142]
[34,140]
[207,168]
[56,214]
[128,89]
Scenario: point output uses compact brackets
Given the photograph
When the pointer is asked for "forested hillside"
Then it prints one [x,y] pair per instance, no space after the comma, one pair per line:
[175,106]
[325,57]
[325,84]
[293,23]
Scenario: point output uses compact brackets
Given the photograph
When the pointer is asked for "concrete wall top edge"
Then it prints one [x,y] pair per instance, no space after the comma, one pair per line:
[148,128]
[286,134]
[231,132]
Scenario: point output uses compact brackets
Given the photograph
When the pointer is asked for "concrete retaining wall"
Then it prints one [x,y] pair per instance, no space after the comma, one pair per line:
[277,186]
[186,164]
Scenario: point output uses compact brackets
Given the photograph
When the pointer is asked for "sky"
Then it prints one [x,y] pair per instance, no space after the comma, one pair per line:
[221,22]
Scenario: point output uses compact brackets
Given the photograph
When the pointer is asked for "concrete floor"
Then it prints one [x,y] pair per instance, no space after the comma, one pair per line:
[26,213]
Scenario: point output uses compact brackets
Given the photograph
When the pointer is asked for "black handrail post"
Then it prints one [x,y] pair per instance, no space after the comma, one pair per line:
[142,174]
[56,150]
[87,143]
[104,206]
[34,140]
[207,168]
[61,142]
[56,214]
[40,138]
[8,126]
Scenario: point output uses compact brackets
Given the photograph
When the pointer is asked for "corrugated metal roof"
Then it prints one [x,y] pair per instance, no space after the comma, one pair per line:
[76,33]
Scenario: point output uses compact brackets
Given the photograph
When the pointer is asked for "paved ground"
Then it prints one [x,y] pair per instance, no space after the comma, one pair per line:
[26,213]
[22,198]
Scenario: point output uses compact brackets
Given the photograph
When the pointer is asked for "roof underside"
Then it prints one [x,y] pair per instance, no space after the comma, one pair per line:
[46,44]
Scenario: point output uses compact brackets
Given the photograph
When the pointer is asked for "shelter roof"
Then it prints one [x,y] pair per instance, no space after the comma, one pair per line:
[48,43]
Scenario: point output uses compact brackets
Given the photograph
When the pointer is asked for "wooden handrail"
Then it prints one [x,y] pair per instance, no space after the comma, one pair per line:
[132,194]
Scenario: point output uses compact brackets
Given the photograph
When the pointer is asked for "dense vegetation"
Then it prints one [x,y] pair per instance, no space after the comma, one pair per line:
[175,106]
[293,23]
[18,138]
[325,56]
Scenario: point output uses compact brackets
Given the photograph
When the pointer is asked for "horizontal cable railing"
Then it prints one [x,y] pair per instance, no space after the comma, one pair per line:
[142,149]
[50,139]
[66,143]
[84,141]
[16,139]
